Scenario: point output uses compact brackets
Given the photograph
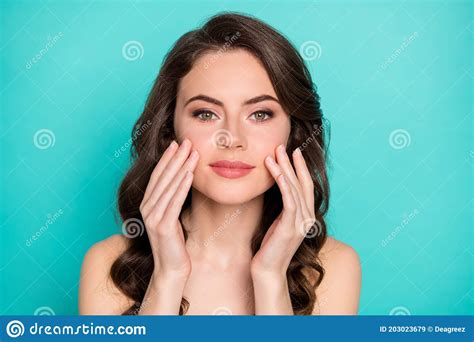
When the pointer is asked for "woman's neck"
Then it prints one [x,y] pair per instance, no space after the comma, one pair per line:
[221,234]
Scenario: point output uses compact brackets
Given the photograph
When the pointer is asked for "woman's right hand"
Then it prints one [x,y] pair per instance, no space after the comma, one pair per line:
[164,196]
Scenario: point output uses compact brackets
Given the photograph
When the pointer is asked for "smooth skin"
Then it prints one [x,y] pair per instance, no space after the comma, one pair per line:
[338,293]
[221,274]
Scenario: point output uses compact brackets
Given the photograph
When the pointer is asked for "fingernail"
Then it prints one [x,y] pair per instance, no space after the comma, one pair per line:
[271,160]
[194,154]
[186,141]
[173,144]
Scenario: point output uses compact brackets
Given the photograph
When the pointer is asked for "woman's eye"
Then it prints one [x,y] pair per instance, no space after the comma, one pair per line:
[203,115]
[262,115]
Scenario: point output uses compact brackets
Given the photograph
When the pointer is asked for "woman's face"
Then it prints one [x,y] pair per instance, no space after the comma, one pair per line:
[227,107]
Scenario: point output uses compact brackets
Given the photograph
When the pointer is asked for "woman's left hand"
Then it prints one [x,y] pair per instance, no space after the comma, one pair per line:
[295,221]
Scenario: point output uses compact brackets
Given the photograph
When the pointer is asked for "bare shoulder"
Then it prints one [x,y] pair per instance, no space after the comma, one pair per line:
[98,295]
[339,291]
[334,250]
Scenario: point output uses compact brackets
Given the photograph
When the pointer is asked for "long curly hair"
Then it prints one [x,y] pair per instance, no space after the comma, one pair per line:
[154,131]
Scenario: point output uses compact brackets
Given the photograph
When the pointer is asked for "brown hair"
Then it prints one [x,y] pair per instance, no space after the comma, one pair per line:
[132,270]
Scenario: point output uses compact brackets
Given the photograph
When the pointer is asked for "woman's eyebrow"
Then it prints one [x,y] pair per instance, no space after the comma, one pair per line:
[220,103]
[260,99]
[204,98]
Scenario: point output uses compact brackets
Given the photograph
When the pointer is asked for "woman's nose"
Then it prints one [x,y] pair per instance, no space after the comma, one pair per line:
[230,136]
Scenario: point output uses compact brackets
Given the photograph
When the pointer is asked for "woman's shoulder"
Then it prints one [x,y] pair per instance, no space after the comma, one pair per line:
[97,292]
[339,290]
[111,246]
[106,251]
[333,250]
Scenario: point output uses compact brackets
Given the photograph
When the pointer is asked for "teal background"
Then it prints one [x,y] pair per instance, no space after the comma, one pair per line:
[371,84]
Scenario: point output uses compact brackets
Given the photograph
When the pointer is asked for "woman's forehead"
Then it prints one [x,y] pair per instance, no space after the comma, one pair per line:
[234,75]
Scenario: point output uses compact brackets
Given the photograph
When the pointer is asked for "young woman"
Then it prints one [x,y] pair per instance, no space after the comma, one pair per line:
[224,205]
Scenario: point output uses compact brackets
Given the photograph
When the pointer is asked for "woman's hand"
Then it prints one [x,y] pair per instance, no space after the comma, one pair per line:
[297,218]
[164,196]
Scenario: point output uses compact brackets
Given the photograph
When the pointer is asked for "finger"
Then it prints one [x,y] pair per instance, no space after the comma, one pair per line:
[285,164]
[174,208]
[273,167]
[169,173]
[288,216]
[302,215]
[164,199]
[300,207]
[304,177]
[288,197]
[164,160]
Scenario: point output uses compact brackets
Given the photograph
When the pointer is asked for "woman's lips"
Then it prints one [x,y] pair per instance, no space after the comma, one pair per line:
[230,172]
[231,169]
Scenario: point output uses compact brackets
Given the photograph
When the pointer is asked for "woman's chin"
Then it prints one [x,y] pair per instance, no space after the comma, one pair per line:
[232,192]
[230,195]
